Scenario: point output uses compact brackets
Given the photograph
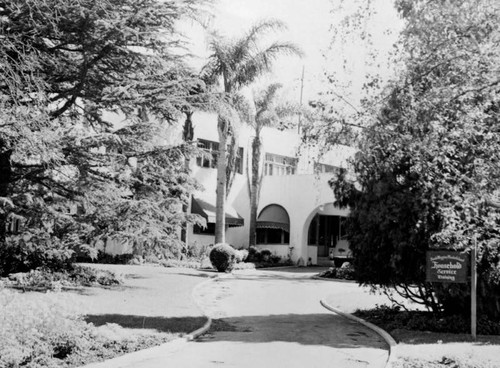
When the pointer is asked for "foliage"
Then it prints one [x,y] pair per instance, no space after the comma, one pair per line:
[241,255]
[344,272]
[47,332]
[87,89]
[270,111]
[31,250]
[429,159]
[393,318]
[48,279]
[223,257]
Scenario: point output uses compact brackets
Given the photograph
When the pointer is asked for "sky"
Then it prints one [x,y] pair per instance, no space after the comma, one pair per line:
[309,24]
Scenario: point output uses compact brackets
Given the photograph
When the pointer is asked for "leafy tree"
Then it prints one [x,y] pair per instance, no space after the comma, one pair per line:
[86,89]
[235,64]
[430,158]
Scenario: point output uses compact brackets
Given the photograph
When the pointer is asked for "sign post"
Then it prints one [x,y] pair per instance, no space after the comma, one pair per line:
[473,293]
[451,266]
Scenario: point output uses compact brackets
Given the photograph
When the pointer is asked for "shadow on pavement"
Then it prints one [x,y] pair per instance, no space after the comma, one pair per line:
[161,324]
[312,329]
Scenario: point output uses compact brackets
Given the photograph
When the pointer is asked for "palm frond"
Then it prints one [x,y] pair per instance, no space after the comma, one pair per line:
[262,61]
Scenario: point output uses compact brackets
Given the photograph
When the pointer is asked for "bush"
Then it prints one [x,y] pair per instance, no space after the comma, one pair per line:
[223,257]
[44,279]
[393,318]
[254,255]
[33,249]
[241,255]
[345,272]
[265,255]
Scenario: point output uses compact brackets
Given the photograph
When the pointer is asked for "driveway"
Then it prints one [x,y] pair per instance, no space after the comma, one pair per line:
[274,319]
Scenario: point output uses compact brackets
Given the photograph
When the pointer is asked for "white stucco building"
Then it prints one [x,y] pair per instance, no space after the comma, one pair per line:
[296,215]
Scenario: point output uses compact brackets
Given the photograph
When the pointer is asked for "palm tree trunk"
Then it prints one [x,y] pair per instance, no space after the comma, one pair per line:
[254,190]
[187,136]
[220,211]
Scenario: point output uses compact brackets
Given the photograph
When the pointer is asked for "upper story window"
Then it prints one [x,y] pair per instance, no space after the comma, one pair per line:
[325,168]
[209,159]
[279,165]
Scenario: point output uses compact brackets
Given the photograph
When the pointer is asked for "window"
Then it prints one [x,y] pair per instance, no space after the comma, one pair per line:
[209,230]
[211,152]
[325,168]
[238,165]
[279,165]
[272,236]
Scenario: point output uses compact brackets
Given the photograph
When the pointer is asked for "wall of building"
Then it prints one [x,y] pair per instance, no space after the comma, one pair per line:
[303,195]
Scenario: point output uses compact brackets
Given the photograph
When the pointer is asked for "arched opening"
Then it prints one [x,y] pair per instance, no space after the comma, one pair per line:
[273,225]
[326,235]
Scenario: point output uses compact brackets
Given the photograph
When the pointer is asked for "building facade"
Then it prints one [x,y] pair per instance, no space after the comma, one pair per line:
[296,215]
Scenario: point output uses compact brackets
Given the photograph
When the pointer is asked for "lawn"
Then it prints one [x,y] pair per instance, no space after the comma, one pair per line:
[151,306]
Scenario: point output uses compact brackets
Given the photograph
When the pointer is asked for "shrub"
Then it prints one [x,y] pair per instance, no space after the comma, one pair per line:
[254,255]
[241,255]
[198,251]
[346,272]
[44,279]
[175,263]
[223,257]
[265,254]
[33,249]
[393,318]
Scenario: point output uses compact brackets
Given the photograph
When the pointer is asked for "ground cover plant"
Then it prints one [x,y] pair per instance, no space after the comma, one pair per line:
[44,330]
[344,272]
[42,279]
[395,318]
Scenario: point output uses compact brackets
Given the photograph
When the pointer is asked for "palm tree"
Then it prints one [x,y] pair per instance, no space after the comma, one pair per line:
[269,112]
[236,64]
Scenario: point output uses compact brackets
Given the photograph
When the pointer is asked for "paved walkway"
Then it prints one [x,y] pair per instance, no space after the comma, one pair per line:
[272,319]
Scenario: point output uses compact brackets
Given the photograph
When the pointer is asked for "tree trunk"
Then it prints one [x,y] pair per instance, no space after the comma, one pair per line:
[187,136]
[254,190]
[220,210]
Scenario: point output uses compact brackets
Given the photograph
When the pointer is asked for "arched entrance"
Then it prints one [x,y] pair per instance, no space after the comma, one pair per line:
[326,236]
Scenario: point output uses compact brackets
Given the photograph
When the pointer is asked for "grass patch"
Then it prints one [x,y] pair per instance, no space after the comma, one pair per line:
[44,330]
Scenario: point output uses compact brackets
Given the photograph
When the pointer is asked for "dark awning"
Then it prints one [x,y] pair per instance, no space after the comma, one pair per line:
[274,217]
[206,209]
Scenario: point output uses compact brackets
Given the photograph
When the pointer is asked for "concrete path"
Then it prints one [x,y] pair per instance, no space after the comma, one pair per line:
[273,319]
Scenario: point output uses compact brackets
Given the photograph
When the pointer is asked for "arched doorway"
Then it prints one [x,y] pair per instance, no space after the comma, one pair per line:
[326,236]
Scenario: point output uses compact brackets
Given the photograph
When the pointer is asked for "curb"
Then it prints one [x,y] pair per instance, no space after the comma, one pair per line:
[129,359]
[382,333]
